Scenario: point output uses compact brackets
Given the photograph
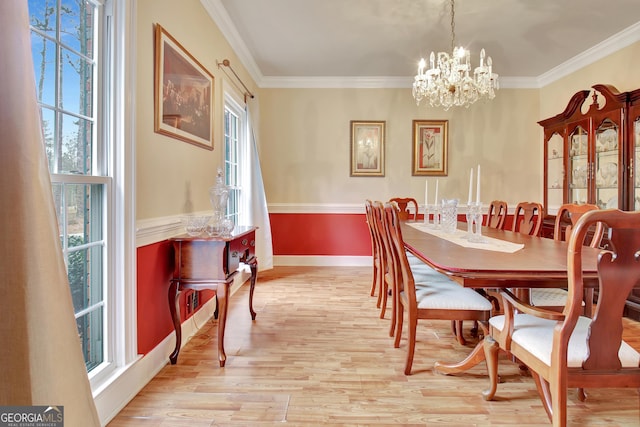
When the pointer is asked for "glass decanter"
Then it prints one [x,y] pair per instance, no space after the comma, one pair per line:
[219,196]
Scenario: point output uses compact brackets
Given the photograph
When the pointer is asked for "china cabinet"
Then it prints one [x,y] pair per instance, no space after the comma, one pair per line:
[584,150]
[591,155]
[633,188]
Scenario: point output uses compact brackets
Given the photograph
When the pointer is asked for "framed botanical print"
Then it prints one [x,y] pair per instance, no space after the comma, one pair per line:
[367,148]
[430,141]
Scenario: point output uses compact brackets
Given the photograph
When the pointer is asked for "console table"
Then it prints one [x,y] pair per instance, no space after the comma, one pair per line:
[211,263]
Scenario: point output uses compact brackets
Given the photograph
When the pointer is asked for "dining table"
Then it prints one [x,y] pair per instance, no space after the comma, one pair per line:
[504,259]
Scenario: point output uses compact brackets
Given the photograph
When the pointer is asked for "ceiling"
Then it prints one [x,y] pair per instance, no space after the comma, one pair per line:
[303,41]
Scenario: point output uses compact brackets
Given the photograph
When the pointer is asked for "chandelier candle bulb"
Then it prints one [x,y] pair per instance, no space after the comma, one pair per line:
[436,198]
[470,186]
[426,193]
[421,66]
[478,187]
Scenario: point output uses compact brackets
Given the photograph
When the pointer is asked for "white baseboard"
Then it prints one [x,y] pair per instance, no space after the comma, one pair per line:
[322,261]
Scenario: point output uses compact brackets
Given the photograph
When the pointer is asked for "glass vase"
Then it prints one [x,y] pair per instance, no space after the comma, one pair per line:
[220,225]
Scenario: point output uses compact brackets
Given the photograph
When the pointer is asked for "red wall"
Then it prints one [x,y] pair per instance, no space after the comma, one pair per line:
[320,234]
[155,270]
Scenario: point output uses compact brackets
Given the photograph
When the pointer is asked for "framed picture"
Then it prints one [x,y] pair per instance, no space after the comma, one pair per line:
[183,100]
[430,141]
[367,148]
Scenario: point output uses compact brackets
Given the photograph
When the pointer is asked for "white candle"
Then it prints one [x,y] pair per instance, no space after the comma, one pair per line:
[470,186]
[436,198]
[426,192]
[478,187]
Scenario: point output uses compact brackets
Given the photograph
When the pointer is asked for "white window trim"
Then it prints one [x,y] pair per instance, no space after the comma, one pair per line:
[112,389]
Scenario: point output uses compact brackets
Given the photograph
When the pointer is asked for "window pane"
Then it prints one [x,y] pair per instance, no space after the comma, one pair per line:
[85,275]
[76,146]
[83,202]
[43,52]
[75,81]
[43,16]
[76,26]
[48,131]
[90,328]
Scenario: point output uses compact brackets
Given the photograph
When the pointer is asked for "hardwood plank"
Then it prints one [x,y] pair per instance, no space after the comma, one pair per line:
[318,354]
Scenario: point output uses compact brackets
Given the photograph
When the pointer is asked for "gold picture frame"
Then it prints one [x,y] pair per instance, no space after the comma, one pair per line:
[430,146]
[367,147]
[183,98]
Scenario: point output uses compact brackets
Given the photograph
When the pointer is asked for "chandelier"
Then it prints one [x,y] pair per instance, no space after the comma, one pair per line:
[448,81]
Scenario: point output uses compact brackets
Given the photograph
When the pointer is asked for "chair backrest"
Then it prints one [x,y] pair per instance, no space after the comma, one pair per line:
[497,214]
[527,218]
[404,280]
[375,242]
[378,223]
[569,214]
[618,274]
[404,205]
[368,210]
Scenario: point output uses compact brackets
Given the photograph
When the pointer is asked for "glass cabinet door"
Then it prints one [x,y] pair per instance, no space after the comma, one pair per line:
[606,167]
[578,166]
[555,171]
[636,165]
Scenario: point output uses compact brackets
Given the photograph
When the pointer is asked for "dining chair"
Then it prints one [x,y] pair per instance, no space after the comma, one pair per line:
[497,214]
[527,218]
[569,350]
[375,250]
[419,267]
[567,216]
[434,297]
[387,280]
[404,205]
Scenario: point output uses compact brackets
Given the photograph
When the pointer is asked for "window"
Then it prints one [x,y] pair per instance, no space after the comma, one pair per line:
[234,149]
[69,50]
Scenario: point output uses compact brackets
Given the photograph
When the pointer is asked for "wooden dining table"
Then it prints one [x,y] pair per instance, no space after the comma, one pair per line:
[540,263]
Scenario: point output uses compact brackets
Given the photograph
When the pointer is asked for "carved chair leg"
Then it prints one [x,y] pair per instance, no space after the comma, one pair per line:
[411,345]
[394,314]
[399,322]
[491,349]
[582,395]
[384,293]
[545,393]
[474,329]
[374,282]
[456,330]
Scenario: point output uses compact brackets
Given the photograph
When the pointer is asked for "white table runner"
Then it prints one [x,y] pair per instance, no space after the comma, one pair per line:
[459,237]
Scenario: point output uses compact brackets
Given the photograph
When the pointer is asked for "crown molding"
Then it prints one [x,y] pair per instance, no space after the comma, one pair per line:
[605,48]
[219,15]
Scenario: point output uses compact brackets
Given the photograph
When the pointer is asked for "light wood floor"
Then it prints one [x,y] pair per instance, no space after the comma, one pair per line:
[318,354]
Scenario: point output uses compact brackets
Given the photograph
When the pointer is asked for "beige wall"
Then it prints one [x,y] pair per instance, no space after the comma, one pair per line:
[620,69]
[172,176]
[305,138]
[304,133]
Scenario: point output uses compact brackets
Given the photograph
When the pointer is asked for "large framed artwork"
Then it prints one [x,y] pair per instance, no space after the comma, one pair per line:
[430,141]
[183,101]
[367,148]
